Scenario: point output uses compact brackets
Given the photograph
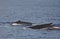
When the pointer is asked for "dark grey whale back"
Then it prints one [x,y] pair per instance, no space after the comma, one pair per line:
[41,26]
[23,23]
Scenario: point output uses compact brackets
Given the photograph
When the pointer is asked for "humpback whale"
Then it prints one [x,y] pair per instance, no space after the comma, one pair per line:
[22,23]
[49,26]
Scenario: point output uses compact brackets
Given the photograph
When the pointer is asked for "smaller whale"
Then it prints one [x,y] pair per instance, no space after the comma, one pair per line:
[22,23]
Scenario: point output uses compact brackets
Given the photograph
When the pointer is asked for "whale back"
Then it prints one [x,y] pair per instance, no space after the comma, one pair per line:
[41,26]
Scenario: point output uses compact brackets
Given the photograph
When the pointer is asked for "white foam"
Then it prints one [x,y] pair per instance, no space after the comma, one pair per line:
[56,27]
[16,24]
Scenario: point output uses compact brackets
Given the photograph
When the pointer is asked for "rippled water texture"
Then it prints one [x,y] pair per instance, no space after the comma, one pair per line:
[35,11]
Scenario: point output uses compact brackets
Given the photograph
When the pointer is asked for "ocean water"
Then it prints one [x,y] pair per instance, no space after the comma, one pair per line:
[35,11]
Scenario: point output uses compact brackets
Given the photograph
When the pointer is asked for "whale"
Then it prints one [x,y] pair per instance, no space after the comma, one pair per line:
[48,26]
[41,26]
[22,23]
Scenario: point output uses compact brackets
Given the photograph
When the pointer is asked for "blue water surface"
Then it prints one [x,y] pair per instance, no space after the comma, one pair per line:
[35,11]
